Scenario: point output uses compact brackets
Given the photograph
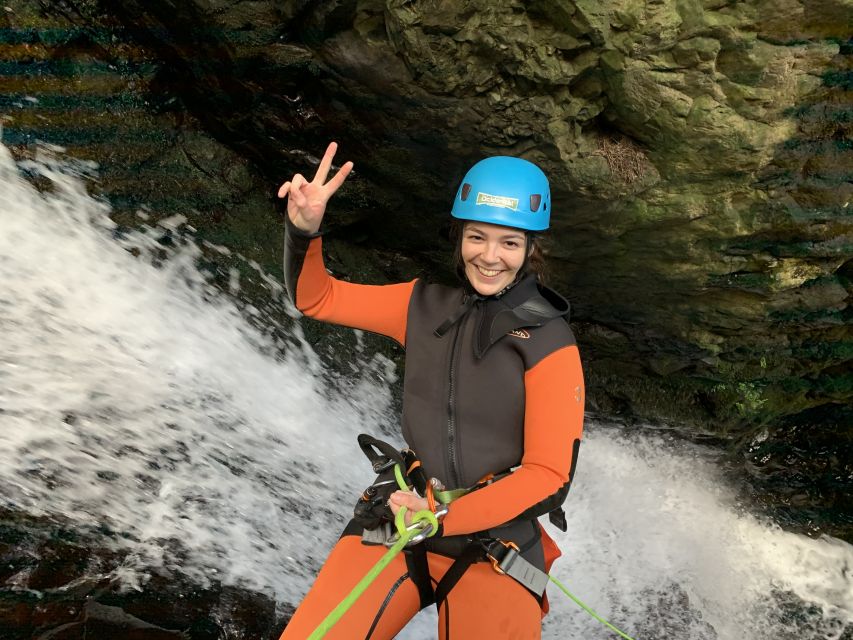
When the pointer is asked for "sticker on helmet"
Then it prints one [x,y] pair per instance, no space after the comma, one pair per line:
[497,201]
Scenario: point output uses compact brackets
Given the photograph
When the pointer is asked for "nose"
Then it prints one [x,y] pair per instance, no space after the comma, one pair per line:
[490,252]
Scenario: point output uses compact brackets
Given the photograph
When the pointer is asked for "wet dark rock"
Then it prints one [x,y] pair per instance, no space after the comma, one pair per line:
[59,585]
[59,563]
[802,469]
[102,621]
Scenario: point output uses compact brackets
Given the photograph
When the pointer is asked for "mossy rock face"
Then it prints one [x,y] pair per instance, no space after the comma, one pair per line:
[698,152]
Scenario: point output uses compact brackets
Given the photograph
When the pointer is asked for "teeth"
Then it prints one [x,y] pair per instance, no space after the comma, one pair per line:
[488,272]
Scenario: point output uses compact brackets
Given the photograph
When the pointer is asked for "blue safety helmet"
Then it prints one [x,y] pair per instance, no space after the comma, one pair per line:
[507,191]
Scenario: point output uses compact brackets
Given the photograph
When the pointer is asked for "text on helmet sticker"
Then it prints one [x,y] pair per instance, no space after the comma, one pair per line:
[497,201]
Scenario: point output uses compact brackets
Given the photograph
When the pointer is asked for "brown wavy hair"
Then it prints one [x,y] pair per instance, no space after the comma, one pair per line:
[536,262]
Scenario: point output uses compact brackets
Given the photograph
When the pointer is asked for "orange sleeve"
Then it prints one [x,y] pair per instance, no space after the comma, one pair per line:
[553,420]
[381,309]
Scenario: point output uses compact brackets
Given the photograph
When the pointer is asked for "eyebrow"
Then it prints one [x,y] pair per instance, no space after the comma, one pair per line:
[511,235]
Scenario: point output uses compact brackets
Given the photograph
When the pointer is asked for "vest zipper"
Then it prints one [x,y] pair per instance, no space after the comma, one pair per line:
[452,439]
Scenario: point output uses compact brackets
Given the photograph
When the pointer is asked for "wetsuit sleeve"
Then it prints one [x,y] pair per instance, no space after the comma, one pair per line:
[553,422]
[380,309]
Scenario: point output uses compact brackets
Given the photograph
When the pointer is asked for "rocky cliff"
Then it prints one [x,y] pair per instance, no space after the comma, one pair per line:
[699,154]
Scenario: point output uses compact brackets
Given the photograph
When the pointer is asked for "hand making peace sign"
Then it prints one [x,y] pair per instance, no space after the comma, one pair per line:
[307,203]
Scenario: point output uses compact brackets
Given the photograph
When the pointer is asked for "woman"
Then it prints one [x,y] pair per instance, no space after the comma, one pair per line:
[492,400]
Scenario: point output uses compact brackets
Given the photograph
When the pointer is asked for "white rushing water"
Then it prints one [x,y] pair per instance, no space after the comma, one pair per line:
[137,397]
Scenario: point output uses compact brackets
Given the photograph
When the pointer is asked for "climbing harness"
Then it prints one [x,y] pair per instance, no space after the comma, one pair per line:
[424,524]
[372,509]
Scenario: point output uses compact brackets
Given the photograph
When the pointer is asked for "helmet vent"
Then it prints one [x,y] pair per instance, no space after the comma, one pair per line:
[466,190]
[535,199]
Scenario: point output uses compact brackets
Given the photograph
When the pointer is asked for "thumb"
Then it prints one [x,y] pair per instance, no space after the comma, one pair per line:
[403,498]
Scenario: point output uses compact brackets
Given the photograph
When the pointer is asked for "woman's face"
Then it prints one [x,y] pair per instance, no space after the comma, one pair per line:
[492,256]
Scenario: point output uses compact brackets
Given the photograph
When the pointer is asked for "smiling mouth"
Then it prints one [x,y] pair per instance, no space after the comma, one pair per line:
[489,273]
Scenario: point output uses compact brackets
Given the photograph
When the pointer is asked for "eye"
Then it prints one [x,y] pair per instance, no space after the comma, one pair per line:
[513,244]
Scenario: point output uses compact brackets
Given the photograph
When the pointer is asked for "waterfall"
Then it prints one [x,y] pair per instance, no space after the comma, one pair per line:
[136,397]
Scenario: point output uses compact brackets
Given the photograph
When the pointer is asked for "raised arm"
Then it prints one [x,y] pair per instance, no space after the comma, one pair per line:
[380,309]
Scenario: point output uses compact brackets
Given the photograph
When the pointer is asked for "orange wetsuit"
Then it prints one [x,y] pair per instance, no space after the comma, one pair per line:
[492,386]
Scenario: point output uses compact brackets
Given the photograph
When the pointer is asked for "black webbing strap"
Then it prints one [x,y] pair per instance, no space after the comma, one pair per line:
[473,553]
[385,602]
[506,558]
[416,563]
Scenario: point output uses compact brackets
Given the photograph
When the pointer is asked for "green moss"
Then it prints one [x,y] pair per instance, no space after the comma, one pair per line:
[614,391]
[840,78]
[835,384]
[747,398]
[807,317]
[746,281]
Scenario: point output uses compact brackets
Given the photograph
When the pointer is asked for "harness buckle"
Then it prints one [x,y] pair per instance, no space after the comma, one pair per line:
[501,564]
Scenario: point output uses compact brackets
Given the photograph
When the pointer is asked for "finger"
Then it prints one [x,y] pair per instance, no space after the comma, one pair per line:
[325,163]
[408,500]
[402,498]
[283,189]
[296,194]
[301,199]
[339,178]
[407,517]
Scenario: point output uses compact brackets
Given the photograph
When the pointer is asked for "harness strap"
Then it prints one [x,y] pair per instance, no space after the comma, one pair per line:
[384,605]
[446,496]
[416,563]
[507,559]
[472,554]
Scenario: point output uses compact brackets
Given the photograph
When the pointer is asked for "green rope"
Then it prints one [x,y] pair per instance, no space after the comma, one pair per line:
[406,533]
[359,589]
[588,610]
[401,481]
